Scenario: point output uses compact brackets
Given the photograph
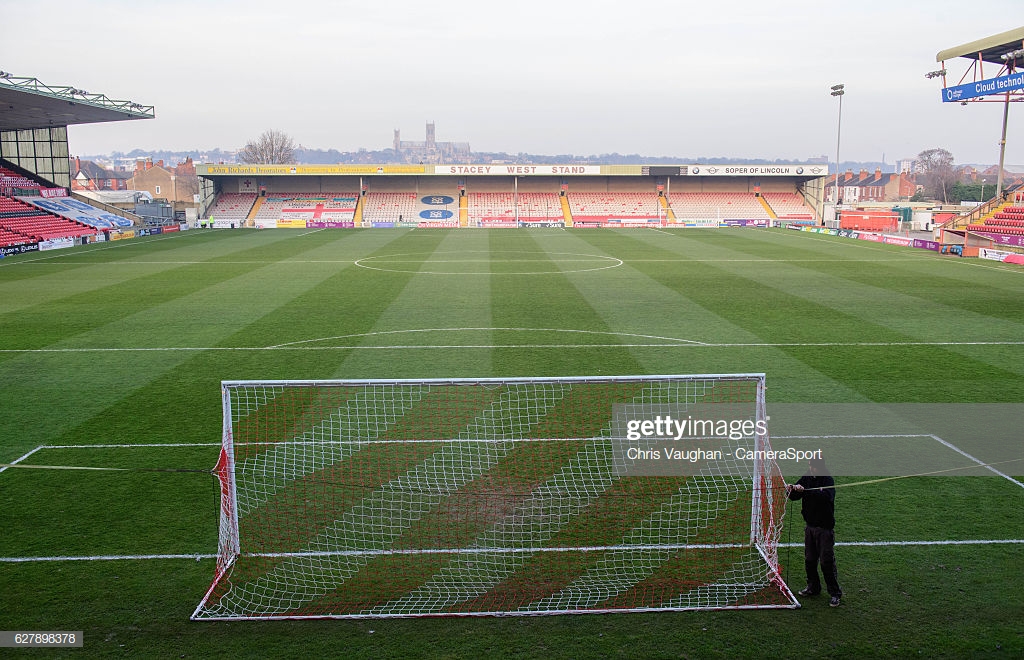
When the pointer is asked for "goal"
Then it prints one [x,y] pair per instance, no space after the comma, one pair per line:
[497,496]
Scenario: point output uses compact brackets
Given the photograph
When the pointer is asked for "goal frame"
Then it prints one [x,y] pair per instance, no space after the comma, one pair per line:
[230,544]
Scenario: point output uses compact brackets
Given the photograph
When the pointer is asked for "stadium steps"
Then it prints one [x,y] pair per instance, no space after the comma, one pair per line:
[251,218]
[566,212]
[357,215]
[463,211]
[669,213]
[767,207]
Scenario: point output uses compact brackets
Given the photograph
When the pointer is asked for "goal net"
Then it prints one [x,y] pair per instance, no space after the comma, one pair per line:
[496,497]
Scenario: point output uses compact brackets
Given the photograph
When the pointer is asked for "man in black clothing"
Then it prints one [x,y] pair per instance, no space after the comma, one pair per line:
[817,494]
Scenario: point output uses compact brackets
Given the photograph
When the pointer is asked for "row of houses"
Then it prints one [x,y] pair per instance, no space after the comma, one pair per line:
[177,184]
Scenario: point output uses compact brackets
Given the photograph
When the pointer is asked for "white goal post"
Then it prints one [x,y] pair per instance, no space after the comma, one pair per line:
[495,496]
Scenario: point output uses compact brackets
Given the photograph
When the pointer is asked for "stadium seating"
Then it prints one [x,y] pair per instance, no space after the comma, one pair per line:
[489,207]
[788,206]
[717,205]
[410,207]
[614,205]
[23,223]
[10,180]
[324,206]
[232,206]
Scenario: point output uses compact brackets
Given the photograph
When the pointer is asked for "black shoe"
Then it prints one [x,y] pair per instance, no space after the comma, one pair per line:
[834,602]
[806,591]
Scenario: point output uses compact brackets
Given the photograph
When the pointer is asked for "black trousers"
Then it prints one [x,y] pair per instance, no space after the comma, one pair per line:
[819,548]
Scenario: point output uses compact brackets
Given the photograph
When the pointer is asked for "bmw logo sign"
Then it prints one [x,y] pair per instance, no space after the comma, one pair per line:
[696,170]
[799,170]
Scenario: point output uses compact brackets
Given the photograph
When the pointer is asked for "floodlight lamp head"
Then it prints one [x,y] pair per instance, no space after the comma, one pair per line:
[1013,55]
[935,74]
[837,88]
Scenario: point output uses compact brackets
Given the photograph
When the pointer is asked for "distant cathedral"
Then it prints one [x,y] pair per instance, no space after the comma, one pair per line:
[430,150]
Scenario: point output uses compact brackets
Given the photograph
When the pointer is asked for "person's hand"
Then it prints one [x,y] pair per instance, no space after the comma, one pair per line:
[798,488]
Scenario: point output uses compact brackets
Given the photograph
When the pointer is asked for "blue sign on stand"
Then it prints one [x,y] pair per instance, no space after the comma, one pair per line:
[983,88]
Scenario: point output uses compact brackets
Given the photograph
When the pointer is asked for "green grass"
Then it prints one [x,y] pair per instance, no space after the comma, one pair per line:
[202,307]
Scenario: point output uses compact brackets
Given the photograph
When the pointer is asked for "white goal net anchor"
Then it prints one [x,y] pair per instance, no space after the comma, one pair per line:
[496,496]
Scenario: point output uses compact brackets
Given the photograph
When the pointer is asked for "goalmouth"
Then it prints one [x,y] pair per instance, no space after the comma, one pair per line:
[495,496]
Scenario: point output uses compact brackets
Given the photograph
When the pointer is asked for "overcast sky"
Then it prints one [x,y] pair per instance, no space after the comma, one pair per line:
[736,78]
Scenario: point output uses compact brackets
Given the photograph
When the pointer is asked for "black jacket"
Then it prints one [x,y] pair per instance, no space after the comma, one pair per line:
[818,506]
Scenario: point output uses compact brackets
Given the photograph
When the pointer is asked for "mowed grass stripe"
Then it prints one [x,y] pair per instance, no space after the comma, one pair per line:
[54,321]
[549,301]
[776,315]
[427,301]
[182,394]
[924,289]
[79,387]
[630,297]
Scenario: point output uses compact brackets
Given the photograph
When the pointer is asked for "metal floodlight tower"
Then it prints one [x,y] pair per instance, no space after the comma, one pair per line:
[838,90]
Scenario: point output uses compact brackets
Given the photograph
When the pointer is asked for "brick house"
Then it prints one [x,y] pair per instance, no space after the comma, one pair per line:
[87,175]
[178,184]
[871,187]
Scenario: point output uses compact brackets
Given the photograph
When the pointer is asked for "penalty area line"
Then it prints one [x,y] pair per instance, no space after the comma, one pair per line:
[200,556]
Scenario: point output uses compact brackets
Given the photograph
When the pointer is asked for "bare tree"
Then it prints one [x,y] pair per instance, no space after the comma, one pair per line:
[939,174]
[271,148]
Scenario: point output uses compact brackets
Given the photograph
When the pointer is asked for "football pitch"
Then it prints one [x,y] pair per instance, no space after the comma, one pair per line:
[112,356]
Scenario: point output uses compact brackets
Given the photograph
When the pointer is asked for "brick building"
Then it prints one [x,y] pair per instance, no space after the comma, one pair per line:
[871,187]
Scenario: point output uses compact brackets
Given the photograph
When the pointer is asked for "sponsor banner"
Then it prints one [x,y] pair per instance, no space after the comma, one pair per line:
[903,241]
[438,200]
[99,238]
[1005,239]
[156,230]
[427,224]
[518,170]
[308,170]
[498,222]
[380,224]
[586,223]
[699,222]
[984,253]
[980,88]
[541,224]
[744,223]
[56,244]
[874,238]
[291,223]
[331,223]
[53,192]
[757,170]
[266,223]
[8,250]
[120,236]
[636,221]
[926,245]
[226,224]
[170,228]
[436,214]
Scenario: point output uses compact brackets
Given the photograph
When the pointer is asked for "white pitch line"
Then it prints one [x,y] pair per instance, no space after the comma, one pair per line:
[310,232]
[19,460]
[199,556]
[392,347]
[979,462]
[889,544]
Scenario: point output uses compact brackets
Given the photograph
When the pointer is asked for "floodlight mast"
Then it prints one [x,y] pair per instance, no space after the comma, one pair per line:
[1011,65]
[838,90]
